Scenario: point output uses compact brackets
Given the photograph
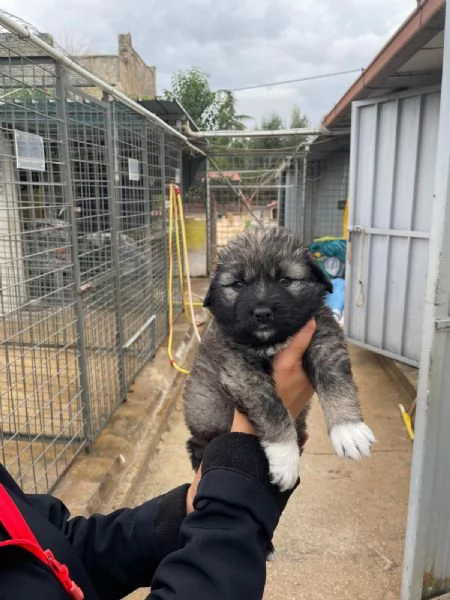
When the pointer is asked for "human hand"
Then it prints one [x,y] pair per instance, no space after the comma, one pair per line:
[292,385]
[192,490]
[291,382]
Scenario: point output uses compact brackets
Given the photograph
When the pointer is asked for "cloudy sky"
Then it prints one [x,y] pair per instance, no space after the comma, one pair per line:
[239,42]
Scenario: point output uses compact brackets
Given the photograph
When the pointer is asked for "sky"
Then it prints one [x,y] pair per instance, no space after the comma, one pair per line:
[238,42]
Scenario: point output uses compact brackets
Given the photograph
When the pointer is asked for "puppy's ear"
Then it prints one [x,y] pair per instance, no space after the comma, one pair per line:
[319,274]
[209,298]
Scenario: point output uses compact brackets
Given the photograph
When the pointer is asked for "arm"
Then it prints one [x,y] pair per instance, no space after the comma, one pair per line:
[120,551]
[225,540]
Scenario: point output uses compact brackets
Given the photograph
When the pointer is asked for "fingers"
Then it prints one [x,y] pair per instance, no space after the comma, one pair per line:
[192,491]
[241,424]
[298,344]
[301,340]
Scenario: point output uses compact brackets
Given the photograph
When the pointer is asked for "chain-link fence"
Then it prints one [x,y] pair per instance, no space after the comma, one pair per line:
[247,187]
[263,187]
[83,256]
[316,195]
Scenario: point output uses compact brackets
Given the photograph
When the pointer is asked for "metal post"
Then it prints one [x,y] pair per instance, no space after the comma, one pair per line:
[426,571]
[213,242]
[162,164]
[281,197]
[113,177]
[208,221]
[301,222]
[149,242]
[66,174]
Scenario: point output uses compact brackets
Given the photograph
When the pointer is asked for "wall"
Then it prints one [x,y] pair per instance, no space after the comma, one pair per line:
[136,78]
[126,71]
[105,67]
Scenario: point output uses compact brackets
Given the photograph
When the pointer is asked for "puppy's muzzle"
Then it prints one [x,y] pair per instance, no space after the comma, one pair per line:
[263,315]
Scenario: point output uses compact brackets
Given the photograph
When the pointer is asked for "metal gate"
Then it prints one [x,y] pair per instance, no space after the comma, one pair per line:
[392,161]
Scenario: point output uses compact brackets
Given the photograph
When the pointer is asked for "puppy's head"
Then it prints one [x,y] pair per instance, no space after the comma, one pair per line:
[266,287]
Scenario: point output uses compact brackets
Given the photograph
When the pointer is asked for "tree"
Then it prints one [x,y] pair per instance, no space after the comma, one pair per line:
[275,122]
[211,110]
[298,119]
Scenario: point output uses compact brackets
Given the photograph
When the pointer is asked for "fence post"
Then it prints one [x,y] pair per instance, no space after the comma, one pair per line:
[149,241]
[113,175]
[162,163]
[301,221]
[208,222]
[67,190]
[213,222]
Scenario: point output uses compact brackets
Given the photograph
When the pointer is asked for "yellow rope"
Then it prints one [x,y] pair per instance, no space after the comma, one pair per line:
[186,262]
[176,218]
[172,361]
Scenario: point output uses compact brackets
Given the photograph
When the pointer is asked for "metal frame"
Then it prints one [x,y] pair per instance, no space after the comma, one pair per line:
[208,220]
[426,571]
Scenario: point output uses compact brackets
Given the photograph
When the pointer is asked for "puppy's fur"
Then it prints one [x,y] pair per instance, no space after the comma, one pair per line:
[265,288]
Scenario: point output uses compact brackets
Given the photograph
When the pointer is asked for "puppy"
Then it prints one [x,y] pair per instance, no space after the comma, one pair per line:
[265,288]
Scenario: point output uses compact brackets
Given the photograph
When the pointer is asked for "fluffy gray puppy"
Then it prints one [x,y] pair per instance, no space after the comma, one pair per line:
[265,288]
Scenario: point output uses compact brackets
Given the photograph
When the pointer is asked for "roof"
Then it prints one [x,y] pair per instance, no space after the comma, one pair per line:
[412,58]
[169,111]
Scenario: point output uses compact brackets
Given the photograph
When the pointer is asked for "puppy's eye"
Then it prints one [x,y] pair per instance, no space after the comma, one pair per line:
[286,280]
[237,285]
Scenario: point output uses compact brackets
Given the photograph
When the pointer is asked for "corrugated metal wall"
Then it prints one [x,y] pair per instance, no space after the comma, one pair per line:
[392,173]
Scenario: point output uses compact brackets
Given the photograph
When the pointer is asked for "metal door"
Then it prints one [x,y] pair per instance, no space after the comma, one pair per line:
[392,167]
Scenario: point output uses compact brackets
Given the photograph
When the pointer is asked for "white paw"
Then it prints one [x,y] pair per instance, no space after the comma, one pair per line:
[353,440]
[284,463]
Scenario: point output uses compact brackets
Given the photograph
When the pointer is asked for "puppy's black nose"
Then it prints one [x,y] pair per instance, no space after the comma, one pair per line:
[263,315]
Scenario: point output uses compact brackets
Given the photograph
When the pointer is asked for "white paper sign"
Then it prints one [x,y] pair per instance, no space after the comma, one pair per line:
[29,151]
[133,169]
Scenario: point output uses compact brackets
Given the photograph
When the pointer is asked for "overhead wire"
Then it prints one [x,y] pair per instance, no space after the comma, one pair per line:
[297,80]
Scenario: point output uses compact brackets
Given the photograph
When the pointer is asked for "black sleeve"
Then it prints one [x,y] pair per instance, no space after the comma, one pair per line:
[224,541]
[120,551]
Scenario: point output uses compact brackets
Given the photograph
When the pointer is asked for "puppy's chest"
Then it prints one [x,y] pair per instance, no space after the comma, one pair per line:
[266,365]
[265,357]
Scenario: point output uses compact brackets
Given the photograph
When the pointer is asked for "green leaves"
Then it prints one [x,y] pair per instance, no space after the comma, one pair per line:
[210,110]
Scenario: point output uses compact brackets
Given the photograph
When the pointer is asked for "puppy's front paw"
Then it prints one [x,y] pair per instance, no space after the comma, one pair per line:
[284,463]
[353,440]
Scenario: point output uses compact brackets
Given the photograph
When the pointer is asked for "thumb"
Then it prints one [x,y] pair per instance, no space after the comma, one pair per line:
[299,343]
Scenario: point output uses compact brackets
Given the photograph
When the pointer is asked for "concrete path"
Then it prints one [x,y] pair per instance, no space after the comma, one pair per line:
[342,534]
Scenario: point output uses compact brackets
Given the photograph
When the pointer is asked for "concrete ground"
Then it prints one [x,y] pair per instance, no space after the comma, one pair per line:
[341,536]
